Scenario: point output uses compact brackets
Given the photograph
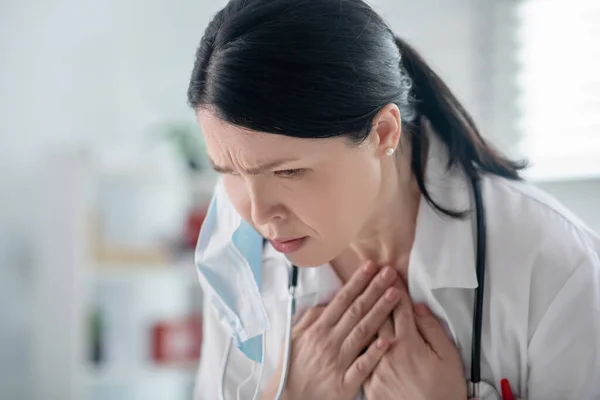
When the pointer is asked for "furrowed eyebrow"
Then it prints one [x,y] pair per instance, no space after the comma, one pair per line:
[254,170]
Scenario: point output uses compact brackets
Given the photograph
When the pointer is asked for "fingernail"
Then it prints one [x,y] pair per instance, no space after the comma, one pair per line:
[368,268]
[381,343]
[388,273]
[391,294]
[421,310]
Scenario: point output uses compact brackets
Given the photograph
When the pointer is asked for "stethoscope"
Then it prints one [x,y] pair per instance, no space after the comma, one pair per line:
[475,383]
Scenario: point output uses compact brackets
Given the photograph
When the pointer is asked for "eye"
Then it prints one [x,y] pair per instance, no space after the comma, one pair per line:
[288,173]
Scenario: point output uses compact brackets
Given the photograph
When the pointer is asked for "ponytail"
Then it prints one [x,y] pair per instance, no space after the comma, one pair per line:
[452,124]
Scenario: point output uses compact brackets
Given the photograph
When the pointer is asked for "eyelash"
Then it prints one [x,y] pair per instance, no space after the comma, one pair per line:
[288,173]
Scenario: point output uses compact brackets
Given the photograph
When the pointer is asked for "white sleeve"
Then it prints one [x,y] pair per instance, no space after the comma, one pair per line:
[214,340]
[564,351]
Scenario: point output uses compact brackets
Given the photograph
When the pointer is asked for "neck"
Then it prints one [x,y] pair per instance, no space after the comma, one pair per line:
[387,237]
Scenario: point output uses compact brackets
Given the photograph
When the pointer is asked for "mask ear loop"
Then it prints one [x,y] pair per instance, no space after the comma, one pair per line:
[224,368]
[262,368]
[260,374]
[249,378]
[245,381]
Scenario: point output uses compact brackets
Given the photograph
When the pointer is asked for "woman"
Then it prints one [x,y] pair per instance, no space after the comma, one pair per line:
[339,146]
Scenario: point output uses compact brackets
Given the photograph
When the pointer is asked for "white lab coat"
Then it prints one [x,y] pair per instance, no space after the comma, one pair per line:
[541,327]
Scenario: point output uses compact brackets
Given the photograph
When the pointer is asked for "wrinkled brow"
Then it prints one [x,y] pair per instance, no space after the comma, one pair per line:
[254,170]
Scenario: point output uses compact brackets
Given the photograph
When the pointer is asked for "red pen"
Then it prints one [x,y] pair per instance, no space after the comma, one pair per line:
[507,393]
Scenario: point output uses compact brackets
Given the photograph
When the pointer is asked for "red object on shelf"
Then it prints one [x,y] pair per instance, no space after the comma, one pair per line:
[193,226]
[177,342]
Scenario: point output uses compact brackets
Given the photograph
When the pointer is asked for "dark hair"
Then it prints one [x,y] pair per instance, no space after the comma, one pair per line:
[325,68]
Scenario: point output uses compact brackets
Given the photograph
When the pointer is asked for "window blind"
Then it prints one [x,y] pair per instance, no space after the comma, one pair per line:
[558,87]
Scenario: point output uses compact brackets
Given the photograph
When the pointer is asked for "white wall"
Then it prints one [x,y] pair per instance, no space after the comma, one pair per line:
[99,72]
[447,35]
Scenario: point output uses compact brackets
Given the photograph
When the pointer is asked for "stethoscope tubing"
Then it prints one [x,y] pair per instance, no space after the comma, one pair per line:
[480,260]
[293,283]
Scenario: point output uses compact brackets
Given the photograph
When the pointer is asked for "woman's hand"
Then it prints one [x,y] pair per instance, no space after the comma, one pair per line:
[327,359]
[422,363]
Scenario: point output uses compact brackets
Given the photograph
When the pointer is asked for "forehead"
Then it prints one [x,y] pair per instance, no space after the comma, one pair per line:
[224,140]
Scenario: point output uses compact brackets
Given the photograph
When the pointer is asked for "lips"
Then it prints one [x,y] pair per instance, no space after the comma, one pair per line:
[288,245]
[285,239]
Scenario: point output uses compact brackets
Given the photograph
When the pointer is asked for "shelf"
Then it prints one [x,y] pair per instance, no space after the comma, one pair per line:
[133,273]
[142,383]
[116,376]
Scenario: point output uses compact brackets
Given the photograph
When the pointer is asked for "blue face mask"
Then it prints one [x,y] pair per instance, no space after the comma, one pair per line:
[229,262]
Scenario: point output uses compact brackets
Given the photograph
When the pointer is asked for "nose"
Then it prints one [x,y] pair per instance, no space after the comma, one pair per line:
[264,205]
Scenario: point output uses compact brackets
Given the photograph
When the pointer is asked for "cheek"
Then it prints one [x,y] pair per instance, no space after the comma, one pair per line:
[355,197]
[342,201]
[238,194]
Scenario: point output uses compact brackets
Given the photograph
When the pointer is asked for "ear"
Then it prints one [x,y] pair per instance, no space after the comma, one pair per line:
[387,128]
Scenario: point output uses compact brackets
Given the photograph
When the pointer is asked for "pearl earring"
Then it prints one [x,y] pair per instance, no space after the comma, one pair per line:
[389,151]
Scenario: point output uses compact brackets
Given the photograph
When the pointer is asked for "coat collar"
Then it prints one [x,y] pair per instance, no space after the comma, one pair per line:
[444,248]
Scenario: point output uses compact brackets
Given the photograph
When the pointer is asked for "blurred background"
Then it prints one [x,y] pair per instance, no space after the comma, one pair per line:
[104,184]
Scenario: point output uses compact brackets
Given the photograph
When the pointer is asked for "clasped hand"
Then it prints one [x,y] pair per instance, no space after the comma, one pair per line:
[422,362]
[370,336]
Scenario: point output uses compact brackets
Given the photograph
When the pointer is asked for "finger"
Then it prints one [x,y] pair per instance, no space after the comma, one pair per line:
[309,317]
[366,329]
[404,319]
[387,329]
[432,331]
[347,294]
[364,365]
[365,302]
